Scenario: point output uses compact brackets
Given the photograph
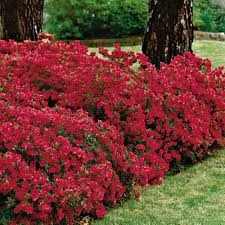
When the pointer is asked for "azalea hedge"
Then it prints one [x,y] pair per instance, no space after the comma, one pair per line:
[79,131]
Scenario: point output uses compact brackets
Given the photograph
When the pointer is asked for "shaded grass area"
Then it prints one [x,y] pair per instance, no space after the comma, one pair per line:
[195,196]
[214,50]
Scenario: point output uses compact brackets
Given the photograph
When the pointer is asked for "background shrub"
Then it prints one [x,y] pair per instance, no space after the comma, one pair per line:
[209,16]
[75,19]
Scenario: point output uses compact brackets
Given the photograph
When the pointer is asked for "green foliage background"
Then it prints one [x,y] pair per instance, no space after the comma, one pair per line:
[72,19]
[83,19]
[209,16]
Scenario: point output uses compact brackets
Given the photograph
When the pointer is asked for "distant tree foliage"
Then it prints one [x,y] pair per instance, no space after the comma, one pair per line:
[71,19]
[82,19]
[209,15]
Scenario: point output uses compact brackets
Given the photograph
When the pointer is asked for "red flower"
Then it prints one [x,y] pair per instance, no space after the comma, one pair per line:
[101,211]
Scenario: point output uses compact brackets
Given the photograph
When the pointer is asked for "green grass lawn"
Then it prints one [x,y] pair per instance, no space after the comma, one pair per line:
[195,196]
[214,50]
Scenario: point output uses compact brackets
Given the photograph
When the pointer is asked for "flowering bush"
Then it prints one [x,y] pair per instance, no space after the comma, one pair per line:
[78,131]
[193,105]
[54,163]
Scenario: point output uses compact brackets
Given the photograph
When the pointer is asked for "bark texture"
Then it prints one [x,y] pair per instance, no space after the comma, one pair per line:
[169,30]
[21,19]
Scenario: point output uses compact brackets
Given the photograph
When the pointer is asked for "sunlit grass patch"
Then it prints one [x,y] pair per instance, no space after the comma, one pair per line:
[192,197]
[214,50]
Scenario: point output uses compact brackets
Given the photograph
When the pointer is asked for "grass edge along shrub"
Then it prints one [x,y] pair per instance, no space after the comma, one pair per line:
[79,132]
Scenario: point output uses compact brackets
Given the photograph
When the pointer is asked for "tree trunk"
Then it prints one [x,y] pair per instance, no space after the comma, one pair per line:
[21,19]
[169,30]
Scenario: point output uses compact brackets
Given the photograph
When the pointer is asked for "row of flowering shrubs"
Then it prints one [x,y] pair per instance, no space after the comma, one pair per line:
[79,131]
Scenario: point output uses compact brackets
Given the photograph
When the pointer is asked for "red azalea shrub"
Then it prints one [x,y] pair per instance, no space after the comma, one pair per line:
[183,105]
[67,76]
[54,164]
[84,129]
[193,104]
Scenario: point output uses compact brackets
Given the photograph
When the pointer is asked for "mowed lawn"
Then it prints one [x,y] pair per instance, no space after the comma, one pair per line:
[196,196]
[214,50]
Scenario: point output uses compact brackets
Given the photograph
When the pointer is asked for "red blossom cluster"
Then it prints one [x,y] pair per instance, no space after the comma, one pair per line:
[78,130]
[46,36]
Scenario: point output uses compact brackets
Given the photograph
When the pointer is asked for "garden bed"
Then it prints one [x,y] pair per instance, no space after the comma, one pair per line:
[80,133]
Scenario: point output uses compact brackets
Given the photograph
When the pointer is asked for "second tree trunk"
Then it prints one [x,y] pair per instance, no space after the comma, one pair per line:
[169,31]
